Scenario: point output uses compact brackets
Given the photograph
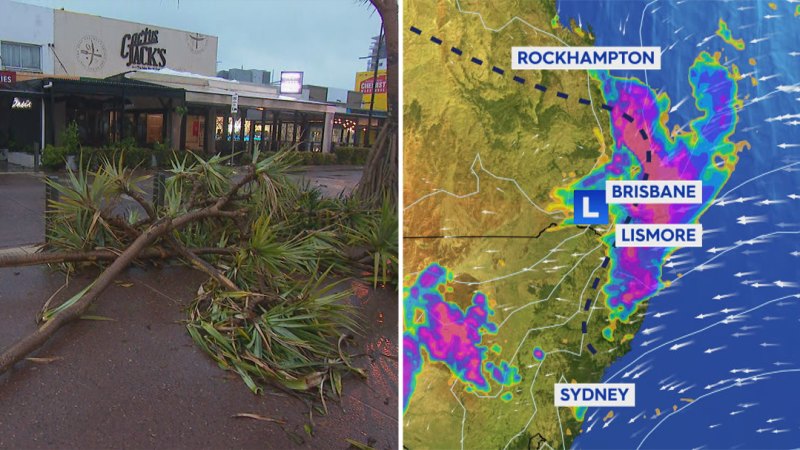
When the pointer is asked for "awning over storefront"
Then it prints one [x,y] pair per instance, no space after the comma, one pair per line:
[27,88]
[218,91]
[115,86]
[109,110]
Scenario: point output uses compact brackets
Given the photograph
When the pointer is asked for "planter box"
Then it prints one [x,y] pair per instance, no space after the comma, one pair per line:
[72,162]
[21,159]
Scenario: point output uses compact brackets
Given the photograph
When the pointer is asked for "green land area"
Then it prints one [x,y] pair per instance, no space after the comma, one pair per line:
[482,154]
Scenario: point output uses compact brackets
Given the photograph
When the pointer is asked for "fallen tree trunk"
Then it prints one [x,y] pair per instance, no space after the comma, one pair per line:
[38,259]
[30,343]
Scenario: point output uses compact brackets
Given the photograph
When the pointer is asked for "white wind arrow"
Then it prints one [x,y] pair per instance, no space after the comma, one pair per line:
[680,345]
[713,349]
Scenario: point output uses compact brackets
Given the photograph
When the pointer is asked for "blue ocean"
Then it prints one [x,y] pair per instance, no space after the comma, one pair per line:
[716,362]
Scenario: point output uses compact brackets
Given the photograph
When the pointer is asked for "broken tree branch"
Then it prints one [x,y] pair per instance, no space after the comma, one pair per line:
[201,264]
[33,341]
[38,259]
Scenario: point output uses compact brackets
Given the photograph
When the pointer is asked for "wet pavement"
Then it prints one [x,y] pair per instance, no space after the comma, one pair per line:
[21,209]
[331,180]
[140,381]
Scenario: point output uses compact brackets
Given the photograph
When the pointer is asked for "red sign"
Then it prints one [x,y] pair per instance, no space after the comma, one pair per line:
[7,77]
[366,85]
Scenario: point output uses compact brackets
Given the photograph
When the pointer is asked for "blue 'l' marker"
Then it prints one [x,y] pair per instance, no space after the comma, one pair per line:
[590,207]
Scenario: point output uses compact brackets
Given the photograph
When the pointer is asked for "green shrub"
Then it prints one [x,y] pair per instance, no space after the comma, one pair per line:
[71,139]
[137,157]
[128,142]
[133,157]
[378,235]
[352,155]
[164,154]
[361,155]
[140,157]
[317,158]
[344,155]
[91,157]
[53,158]
[305,158]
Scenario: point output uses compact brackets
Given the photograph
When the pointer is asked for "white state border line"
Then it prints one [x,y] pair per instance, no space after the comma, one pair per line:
[478,161]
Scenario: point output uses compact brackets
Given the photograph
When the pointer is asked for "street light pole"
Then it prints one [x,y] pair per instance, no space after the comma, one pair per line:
[374,87]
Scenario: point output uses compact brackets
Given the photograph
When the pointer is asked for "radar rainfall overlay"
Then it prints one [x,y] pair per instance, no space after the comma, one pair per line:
[601,224]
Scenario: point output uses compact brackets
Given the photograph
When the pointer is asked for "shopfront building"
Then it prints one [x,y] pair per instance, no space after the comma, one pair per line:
[149,85]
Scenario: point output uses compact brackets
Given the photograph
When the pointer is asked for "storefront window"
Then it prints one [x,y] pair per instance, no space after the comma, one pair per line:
[218,128]
[19,124]
[248,124]
[195,132]
[155,128]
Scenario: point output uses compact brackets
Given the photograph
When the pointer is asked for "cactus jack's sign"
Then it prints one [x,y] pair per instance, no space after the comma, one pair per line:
[99,47]
[141,50]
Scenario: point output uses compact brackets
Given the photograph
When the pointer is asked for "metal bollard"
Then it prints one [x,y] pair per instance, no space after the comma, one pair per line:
[159,188]
[37,156]
[50,194]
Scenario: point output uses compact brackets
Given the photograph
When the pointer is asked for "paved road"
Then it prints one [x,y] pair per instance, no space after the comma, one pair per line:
[139,381]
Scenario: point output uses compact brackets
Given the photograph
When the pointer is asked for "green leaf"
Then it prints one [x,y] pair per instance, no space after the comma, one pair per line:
[49,314]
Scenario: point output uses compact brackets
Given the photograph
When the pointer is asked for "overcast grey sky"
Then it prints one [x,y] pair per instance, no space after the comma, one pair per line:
[323,38]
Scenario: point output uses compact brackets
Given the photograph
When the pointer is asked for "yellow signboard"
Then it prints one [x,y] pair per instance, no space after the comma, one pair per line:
[364,84]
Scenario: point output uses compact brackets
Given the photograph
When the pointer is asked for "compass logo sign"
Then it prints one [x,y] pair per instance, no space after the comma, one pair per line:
[91,53]
[197,42]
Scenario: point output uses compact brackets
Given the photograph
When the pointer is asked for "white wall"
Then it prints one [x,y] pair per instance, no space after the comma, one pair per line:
[93,46]
[29,25]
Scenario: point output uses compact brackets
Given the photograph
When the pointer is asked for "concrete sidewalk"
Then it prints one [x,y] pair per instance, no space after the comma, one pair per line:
[21,209]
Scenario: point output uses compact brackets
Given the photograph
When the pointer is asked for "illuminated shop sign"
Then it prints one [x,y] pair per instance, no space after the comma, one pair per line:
[21,103]
[291,82]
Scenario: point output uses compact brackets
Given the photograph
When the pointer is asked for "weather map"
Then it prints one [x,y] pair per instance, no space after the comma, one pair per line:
[601,240]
